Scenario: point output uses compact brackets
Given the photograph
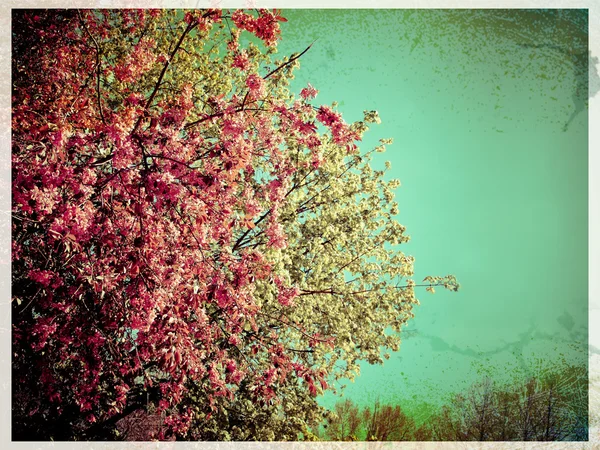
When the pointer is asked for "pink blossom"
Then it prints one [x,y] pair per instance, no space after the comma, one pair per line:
[241,61]
[327,116]
[256,85]
[308,92]
[276,235]
[44,277]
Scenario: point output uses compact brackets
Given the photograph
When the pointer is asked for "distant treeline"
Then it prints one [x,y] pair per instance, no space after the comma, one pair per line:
[548,407]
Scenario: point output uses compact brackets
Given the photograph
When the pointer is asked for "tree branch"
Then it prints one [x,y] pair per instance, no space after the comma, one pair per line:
[97,65]
[241,108]
[291,60]
[188,29]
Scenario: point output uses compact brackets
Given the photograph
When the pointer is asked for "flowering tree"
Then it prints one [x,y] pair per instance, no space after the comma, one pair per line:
[189,238]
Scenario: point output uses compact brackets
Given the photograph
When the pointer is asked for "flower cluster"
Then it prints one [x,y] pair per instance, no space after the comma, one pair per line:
[241,61]
[341,132]
[256,85]
[308,92]
[265,26]
[139,61]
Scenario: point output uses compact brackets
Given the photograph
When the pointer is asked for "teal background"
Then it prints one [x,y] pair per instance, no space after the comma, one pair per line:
[488,114]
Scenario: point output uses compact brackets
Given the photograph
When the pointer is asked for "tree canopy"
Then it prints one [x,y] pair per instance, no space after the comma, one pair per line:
[190,238]
[550,404]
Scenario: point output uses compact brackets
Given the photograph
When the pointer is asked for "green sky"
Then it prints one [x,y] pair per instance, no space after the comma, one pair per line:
[487,112]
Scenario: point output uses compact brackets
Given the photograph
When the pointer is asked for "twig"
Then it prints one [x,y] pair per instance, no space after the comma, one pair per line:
[291,60]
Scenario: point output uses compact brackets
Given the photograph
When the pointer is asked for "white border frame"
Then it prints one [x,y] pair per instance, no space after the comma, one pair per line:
[5,207]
